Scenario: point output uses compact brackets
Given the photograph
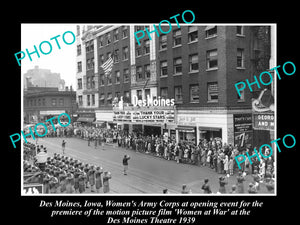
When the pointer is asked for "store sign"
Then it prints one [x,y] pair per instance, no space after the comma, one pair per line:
[242,126]
[152,102]
[145,116]
[264,121]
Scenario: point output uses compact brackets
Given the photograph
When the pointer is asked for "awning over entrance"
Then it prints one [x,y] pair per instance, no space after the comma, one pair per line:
[85,119]
[185,129]
[209,128]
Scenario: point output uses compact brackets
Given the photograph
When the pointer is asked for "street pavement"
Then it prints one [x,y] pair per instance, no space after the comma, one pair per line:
[147,174]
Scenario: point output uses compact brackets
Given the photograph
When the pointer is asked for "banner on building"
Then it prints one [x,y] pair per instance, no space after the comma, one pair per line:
[145,116]
[263,121]
[243,132]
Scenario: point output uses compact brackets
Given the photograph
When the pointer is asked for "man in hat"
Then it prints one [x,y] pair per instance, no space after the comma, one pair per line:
[125,163]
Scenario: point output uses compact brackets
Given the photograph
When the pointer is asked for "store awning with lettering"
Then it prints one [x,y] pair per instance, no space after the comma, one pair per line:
[85,119]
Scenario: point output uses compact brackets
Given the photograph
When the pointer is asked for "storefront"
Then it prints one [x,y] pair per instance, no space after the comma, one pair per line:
[86,117]
[187,134]
[104,118]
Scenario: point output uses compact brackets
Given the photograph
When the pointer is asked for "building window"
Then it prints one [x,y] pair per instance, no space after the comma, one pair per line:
[240,30]
[88,82]
[176,37]
[61,102]
[240,58]
[53,101]
[163,42]
[78,49]
[147,71]
[178,94]
[193,63]
[79,83]
[89,46]
[124,31]
[93,99]
[39,102]
[139,72]
[138,50]
[90,63]
[211,31]
[193,34]
[116,56]
[125,53]
[139,94]
[108,39]
[116,34]
[126,97]
[177,66]
[80,102]
[109,79]
[101,41]
[79,67]
[212,59]
[101,59]
[88,100]
[117,73]
[101,99]
[43,102]
[164,92]
[126,75]
[194,93]
[147,92]
[146,46]
[241,97]
[163,68]
[102,81]
[93,83]
[212,92]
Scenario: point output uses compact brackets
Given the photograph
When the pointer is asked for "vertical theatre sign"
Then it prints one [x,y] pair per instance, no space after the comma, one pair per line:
[243,132]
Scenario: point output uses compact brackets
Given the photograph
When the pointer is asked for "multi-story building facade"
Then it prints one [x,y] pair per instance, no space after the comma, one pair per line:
[196,65]
[42,103]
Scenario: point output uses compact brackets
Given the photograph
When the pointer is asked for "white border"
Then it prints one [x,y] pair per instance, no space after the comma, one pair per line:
[183,195]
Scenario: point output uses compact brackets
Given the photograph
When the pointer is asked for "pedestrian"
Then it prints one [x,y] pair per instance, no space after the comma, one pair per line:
[226,164]
[252,189]
[106,177]
[63,145]
[240,182]
[222,183]
[125,163]
[230,166]
[206,187]
[185,190]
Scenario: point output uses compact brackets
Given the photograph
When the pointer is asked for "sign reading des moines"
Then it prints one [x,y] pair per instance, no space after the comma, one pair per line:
[148,111]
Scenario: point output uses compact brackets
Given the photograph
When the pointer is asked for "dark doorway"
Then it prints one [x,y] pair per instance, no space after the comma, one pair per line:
[149,130]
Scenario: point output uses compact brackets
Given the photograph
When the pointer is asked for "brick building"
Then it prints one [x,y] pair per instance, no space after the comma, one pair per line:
[42,103]
[196,65]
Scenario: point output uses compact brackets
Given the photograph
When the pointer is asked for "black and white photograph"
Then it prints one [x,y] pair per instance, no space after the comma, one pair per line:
[183,102]
[169,115]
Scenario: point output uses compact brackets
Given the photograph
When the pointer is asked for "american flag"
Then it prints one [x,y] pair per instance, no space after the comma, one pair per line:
[107,65]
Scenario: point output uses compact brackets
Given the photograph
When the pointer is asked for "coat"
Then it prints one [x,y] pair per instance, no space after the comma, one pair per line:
[98,180]
[106,183]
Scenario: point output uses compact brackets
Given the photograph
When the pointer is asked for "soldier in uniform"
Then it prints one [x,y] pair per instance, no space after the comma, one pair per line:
[98,180]
[125,163]
[106,177]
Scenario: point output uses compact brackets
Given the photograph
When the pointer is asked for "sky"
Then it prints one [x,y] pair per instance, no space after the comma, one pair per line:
[61,61]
